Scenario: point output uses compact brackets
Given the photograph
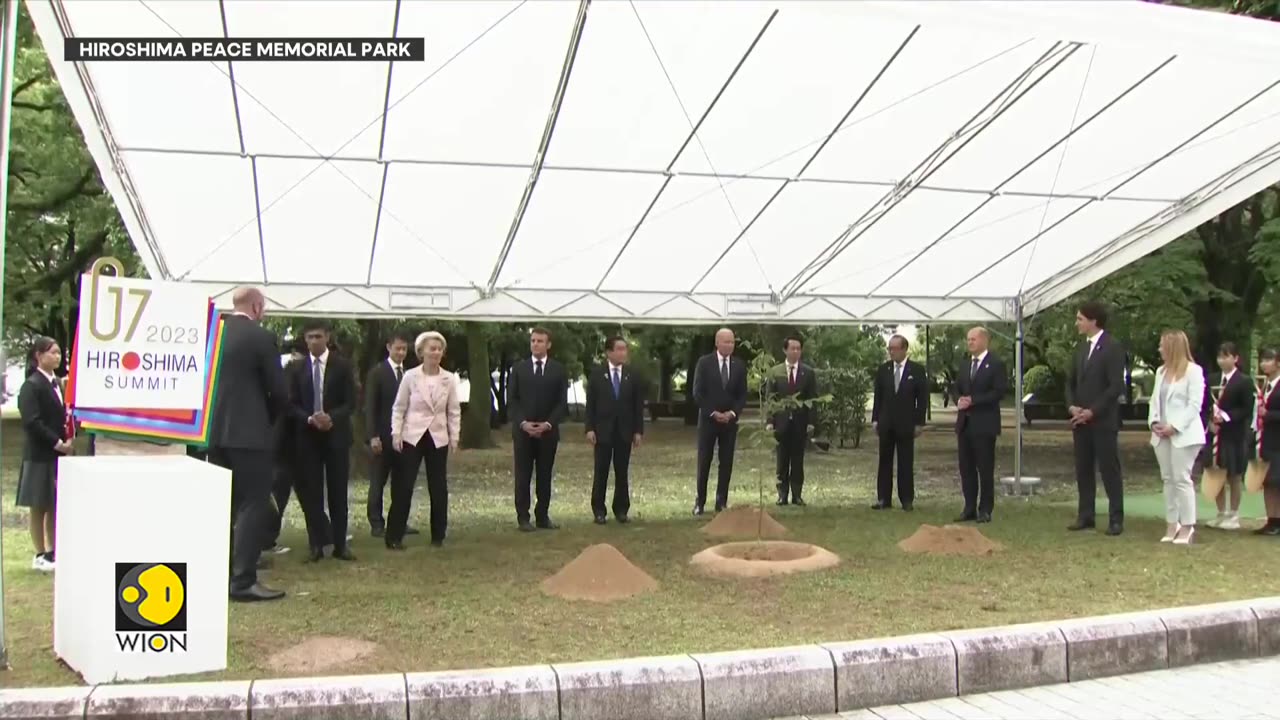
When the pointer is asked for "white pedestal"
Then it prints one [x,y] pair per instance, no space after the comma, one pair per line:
[125,514]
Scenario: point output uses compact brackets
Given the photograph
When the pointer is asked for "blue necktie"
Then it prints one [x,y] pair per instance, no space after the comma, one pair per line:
[617,383]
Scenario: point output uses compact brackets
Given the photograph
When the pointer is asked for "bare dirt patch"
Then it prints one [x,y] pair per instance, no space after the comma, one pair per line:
[321,653]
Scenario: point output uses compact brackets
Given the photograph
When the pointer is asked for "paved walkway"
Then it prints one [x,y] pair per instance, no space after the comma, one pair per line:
[1243,690]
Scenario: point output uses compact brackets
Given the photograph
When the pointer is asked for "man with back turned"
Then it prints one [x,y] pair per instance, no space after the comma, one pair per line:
[251,395]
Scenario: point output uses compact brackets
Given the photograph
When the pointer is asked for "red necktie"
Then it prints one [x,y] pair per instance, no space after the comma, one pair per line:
[792,382]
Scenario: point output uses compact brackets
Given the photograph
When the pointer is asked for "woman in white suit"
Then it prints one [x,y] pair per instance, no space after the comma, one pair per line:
[1177,432]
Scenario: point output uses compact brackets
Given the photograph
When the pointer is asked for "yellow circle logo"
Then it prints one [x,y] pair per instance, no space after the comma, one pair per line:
[151,595]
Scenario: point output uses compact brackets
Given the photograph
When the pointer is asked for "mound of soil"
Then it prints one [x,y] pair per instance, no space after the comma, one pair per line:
[599,574]
[950,540]
[320,653]
[744,521]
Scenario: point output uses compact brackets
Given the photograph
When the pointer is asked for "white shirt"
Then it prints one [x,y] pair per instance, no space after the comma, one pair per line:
[793,371]
[394,367]
[323,362]
[53,380]
[1225,379]
[979,358]
[1093,343]
[536,360]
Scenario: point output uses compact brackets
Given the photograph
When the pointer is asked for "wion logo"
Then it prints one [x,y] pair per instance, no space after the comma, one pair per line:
[151,607]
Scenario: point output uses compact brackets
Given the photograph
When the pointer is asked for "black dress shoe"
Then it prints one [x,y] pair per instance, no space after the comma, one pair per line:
[526,526]
[437,543]
[256,593]
[720,508]
[1115,529]
[697,510]
[782,501]
[1272,531]
[547,525]
[984,518]
[343,554]
[412,531]
[378,532]
[908,507]
[1081,525]
[395,546]
[881,505]
[966,517]
[798,502]
[601,520]
[624,519]
[316,555]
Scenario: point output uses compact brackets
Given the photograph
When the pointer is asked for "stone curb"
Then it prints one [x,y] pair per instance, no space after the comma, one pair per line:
[743,685]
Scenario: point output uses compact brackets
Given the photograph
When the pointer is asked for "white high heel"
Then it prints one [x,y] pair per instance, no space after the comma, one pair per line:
[1169,535]
[1185,540]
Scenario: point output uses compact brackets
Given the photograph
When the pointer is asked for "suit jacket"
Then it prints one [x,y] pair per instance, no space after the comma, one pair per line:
[1237,400]
[339,398]
[1182,407]
[44,418]
[531,398]
[422,407]
[380,388]
[1270,426]
[712,395]
[986,389]
[905,407]
[251,387]
[1097,382]
[806,389]
[612,417]
[286,425]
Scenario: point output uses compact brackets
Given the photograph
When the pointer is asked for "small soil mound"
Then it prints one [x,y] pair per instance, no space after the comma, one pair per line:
[744,521]
[320,653]
[763,559]
[950,540]
[599,574]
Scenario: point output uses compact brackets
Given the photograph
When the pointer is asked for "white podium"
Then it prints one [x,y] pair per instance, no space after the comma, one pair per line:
[140,589]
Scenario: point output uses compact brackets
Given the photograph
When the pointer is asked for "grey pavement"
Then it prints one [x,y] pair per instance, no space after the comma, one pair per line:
[1239,690]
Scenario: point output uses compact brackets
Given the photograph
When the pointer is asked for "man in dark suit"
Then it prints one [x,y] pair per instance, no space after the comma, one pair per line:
[251,395]
[980,385]
[1095,384]
[324,396]
[792,426]
[899,403]
[285,435]
[615,425]
[720,392]
[380,389]
[537,402]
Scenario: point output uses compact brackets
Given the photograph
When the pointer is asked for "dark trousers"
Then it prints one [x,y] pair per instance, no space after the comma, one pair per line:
[899,442]
[326,470]
[792,443]
[1097,449]
[281,489]
[977,471]
[615,451]
[713,435]
[534,458]
[382,467]
[406,476]
[250,509]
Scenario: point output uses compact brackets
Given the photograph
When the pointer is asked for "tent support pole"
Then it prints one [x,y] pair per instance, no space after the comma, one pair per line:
[8,53]
[1018,358]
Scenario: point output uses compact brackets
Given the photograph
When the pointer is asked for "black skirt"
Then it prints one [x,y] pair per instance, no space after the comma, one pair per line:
[37,484]
[1232,455]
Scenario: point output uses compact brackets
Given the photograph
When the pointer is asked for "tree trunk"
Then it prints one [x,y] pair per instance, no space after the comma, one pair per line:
[1227,314]
[475,423]
[666,371]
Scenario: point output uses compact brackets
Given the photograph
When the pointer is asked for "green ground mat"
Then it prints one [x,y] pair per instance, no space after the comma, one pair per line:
[1152,505]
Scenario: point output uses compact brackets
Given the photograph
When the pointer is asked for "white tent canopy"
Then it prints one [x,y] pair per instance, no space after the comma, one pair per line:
[685,161]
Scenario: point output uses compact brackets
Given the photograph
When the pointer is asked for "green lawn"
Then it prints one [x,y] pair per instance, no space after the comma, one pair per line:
[477,602]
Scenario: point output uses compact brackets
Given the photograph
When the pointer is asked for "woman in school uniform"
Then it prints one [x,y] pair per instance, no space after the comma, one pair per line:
[1269,438]
[44,423]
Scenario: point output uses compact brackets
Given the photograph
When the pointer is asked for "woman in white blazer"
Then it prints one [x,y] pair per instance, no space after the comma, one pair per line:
[1177,432]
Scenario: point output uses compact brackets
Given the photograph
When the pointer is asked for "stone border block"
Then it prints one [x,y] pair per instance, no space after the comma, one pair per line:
[1211,633]
[199,701]
[655,688]
[45,702]
[1267,611]
[353,697]
[763,684]
[1115,645]
[1008,658]
[517,693]
[894,671]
